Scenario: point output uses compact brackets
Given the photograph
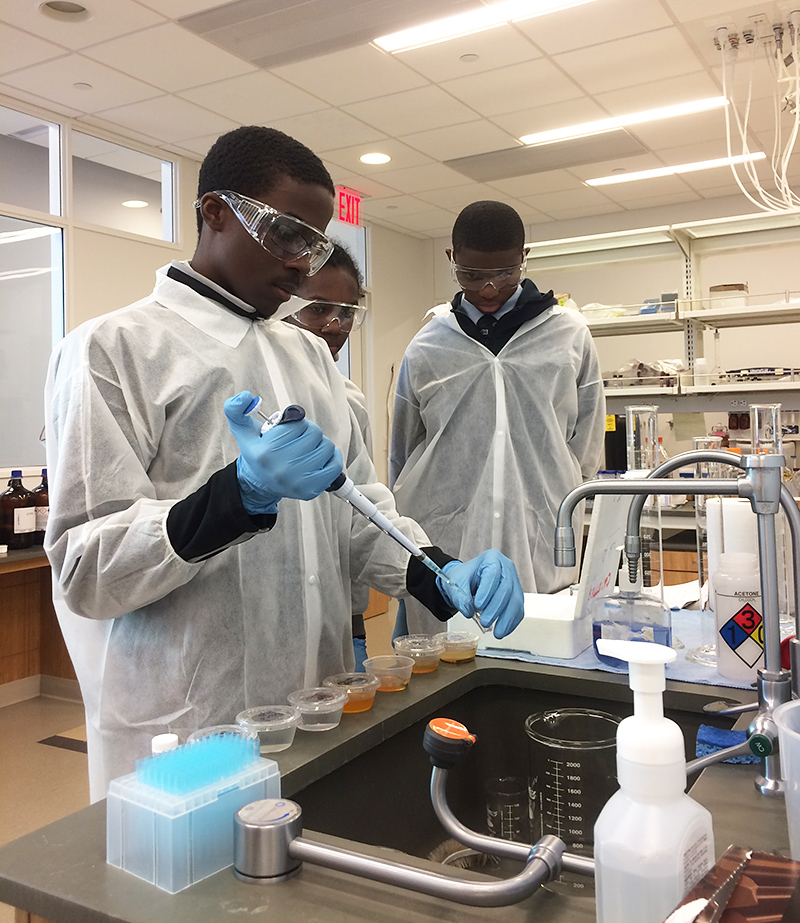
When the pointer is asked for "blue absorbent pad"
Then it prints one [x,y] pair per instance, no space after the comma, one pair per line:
[711,740]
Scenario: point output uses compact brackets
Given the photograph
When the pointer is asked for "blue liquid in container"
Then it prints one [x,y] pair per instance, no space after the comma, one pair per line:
[628,631]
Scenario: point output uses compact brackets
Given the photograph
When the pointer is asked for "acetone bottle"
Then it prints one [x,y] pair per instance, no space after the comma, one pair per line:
[652,842]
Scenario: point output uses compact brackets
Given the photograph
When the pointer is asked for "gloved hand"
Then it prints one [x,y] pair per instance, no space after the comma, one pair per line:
[495,591]
[290,460]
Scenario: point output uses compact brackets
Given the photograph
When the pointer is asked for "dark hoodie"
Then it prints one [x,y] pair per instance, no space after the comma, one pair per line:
[531,303]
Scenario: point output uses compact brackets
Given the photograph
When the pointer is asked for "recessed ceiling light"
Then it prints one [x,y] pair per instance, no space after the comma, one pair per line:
[486,17]
[585,129]
[82,85]
[468,58]
[135,203]
[679,168]
[65,11]
[374,158]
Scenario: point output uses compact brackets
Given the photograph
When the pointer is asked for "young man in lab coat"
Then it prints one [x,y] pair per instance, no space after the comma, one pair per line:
[201,568]
[499,409]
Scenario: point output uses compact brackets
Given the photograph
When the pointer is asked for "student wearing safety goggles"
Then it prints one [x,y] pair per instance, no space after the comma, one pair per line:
[499,409]
[184,594]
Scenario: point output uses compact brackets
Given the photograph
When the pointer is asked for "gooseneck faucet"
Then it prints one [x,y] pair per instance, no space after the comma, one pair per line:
[761,485]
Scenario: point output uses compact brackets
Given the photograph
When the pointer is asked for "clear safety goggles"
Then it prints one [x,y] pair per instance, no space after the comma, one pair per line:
[320,314]
[473,280]
[285,237]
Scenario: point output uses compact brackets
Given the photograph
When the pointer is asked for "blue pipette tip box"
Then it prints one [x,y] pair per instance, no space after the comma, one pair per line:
[173,841]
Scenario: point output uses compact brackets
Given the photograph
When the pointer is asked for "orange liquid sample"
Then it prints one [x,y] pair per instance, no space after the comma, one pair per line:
[362,703]
[392,684]
[458,656]
[425,666]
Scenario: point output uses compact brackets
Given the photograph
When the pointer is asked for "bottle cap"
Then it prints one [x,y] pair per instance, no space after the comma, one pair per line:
[161,743]
[16,472]
[44,472]
[3,549]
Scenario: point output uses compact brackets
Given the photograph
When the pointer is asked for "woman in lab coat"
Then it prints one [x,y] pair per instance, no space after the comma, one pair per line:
[182,595]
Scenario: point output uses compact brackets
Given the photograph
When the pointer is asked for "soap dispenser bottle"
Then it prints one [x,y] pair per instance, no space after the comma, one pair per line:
[652,842]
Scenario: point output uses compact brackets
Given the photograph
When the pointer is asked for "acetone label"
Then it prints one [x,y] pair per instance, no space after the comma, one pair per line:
[744,634]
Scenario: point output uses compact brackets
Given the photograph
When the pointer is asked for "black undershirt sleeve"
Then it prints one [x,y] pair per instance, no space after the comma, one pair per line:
[421,583]
[213,518]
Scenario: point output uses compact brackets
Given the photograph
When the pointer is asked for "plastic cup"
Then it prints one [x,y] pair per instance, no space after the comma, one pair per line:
[359,687]
[787,717]
[319,708]
[424,649]
[274,724]
[238,729]
[459,646]
[572,755]
[393,671]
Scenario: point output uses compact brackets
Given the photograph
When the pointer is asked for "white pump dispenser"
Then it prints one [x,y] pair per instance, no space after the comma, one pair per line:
[652,842]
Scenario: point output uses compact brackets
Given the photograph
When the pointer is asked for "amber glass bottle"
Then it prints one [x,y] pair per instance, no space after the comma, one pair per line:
[41,499]
[17,514]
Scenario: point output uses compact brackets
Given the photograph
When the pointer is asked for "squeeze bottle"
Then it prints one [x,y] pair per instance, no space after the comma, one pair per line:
[652,842]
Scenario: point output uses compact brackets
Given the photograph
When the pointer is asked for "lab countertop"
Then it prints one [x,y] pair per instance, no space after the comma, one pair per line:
[59,872]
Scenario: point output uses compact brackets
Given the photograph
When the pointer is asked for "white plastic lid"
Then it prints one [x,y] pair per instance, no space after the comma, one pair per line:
[161,743]
[3,549]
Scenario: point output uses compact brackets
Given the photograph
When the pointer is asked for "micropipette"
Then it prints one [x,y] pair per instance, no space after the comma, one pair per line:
[344,488]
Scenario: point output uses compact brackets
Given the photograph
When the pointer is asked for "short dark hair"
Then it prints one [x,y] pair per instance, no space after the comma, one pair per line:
[251,160]
[488,226]
[342,258]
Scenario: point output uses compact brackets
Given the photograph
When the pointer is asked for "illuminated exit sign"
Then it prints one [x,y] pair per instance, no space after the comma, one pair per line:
[349,205]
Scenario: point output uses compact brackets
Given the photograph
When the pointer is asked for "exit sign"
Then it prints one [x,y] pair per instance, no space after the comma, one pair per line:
[349,205]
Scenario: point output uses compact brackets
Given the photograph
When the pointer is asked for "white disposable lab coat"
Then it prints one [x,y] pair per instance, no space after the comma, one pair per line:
[484,448]
[135,423]
[358,406]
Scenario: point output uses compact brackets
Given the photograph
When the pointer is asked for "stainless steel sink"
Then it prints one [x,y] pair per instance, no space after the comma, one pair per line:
[382,797]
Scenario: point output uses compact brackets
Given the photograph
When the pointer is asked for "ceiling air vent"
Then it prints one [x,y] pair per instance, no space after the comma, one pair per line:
[539,158]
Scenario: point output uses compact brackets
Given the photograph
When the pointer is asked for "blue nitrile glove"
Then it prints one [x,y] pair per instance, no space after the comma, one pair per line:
[290,460]
[492,580]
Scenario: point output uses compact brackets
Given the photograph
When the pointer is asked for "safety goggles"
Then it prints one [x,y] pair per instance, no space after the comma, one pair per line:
[320,314]
[473,280]
[285,237]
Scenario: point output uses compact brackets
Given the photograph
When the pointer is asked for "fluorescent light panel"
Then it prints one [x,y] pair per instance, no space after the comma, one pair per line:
[671,171]
[487,17]
[622,121]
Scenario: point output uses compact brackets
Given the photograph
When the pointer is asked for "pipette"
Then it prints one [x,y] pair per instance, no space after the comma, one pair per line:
[344,488]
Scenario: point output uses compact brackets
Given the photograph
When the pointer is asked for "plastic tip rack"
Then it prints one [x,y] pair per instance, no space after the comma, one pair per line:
[198,763]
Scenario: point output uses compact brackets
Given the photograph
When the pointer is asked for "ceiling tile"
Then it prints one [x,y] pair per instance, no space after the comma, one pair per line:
[363,184]
[498,47]
[628,194]
[431,221]
[550,181]
[169,119]
[551,203]
[196,147]
[667,92]
[176,59]
[594,23]
[328,129]
[687,10]
[461,140]
[586,211]
[701,126]
[556,115]
[349,76]
[659,201]
[402,156]
[22,96]
[413,110]
[395,207]
[719,192]
[661,54]
[109,18]
[501,91]
[55,80]
[693,153]
[421,179]
[457,197]
[22,50]
[254,99]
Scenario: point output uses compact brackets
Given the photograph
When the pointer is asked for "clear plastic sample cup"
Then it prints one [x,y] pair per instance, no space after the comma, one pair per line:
[239,729]
[320,708]
[393,671]
[274,724]
[424,649]
[359,687]
[572,754]
[787,717]
[459,646]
